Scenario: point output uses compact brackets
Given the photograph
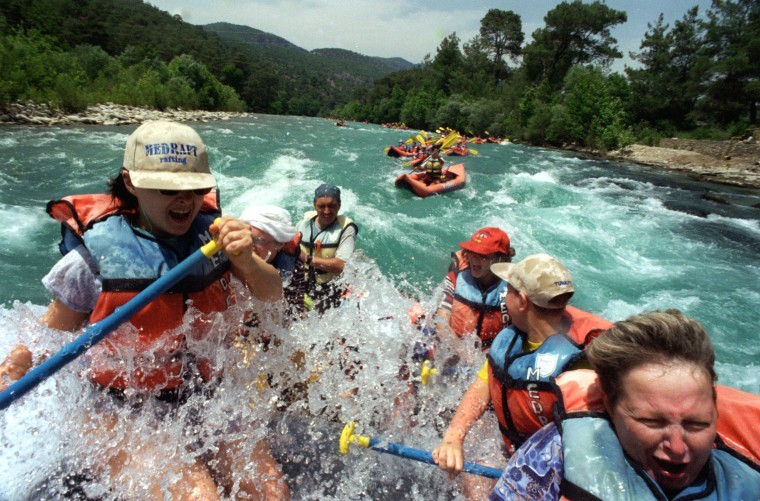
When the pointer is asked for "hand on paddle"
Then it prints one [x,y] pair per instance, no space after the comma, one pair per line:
[236,240]
[449,455]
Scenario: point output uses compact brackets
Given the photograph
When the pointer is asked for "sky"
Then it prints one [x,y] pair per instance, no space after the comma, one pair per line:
[405,28]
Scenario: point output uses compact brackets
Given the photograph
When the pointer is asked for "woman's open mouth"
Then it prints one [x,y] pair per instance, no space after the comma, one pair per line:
[180,216]
[670,467]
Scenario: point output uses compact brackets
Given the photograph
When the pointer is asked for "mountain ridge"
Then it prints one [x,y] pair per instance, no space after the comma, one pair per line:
[264,40]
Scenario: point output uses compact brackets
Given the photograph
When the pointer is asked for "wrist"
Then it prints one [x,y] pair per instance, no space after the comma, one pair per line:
[455,435]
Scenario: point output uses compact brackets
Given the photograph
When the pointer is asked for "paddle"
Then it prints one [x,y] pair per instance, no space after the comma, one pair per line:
[347,438]
[98,331]
[449,140]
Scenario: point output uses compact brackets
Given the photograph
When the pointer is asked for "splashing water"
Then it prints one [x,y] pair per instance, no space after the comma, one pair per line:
[634,240]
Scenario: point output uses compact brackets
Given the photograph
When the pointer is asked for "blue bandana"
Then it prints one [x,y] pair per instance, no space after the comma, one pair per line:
[327,190]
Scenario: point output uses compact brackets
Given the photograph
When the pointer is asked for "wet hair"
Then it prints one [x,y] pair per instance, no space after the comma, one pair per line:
[658,337]
[118,189]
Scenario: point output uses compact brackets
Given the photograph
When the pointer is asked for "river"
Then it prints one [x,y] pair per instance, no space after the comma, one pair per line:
[634,238]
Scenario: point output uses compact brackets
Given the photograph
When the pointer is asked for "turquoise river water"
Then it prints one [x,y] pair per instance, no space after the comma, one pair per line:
[634,238]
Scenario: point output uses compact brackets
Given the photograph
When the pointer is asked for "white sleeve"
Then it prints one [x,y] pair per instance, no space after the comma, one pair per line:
[347,244]
[74,280]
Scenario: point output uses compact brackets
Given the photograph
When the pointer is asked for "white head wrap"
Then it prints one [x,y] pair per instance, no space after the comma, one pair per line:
[272,220]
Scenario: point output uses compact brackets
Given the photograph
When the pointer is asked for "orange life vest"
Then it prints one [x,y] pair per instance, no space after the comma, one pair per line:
[474,310]
[522,385]
[153,342]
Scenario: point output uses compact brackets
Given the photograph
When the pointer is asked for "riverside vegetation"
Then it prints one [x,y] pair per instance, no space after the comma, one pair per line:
[698,78]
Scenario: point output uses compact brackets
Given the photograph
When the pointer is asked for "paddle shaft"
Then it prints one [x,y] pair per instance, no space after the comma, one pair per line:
[427,457]
[98,331]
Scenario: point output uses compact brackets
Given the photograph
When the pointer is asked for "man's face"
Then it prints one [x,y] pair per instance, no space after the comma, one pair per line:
[327,210]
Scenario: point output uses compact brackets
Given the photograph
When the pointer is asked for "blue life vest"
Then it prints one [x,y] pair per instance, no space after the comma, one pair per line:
[595,467]
[141,258]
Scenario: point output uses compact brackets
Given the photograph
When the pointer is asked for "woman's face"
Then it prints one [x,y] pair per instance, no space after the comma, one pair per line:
[665,419]
[264,245]
[480,264]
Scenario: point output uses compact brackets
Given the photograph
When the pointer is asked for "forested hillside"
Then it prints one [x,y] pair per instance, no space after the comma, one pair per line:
[73,53]
[699,78]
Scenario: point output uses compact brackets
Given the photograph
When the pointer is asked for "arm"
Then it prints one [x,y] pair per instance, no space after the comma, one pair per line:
[19,361]
[261,278]
[443,314]
[449,455]
[61,317]
[334,264]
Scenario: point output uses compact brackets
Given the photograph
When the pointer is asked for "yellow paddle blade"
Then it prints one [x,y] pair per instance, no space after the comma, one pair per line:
[386,150]
[474,152]
[450,140]
[410,140]
[423,134]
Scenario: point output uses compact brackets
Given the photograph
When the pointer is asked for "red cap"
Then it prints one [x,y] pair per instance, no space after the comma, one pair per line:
[487,241]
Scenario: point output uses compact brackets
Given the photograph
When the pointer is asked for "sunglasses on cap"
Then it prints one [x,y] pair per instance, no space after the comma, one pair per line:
[172,193]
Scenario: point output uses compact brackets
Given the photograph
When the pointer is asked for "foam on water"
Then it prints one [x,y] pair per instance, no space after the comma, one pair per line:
[626,234]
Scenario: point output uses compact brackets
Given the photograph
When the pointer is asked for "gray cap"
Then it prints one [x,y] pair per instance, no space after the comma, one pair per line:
[540,277]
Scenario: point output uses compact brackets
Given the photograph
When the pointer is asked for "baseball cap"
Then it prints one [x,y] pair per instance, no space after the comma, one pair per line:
[540,277]
[327,190]
[162,155]
[487,241]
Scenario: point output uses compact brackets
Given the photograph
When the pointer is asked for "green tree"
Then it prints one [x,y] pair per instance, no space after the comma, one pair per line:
[200,79]
[732,44]
[502,36]
[665,87]
[447,63]
[594,117]
[575,33]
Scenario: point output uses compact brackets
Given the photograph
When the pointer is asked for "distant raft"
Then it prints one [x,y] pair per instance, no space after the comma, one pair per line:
[453,179]
[397,151]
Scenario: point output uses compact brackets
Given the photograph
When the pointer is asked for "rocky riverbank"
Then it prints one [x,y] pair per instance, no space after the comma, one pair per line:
[106,114]
[728,162]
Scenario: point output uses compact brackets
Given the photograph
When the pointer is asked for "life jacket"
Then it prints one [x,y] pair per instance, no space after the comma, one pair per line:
[738,411]
[522,386]
[474,309]
[322,243]
[129,261]
[434,167]
[595,467]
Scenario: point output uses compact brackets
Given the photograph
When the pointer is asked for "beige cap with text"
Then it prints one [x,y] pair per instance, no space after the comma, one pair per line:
[164,155]
[540,277]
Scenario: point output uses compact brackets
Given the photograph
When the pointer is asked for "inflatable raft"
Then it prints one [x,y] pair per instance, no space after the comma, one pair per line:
[395,151]
[454,179]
